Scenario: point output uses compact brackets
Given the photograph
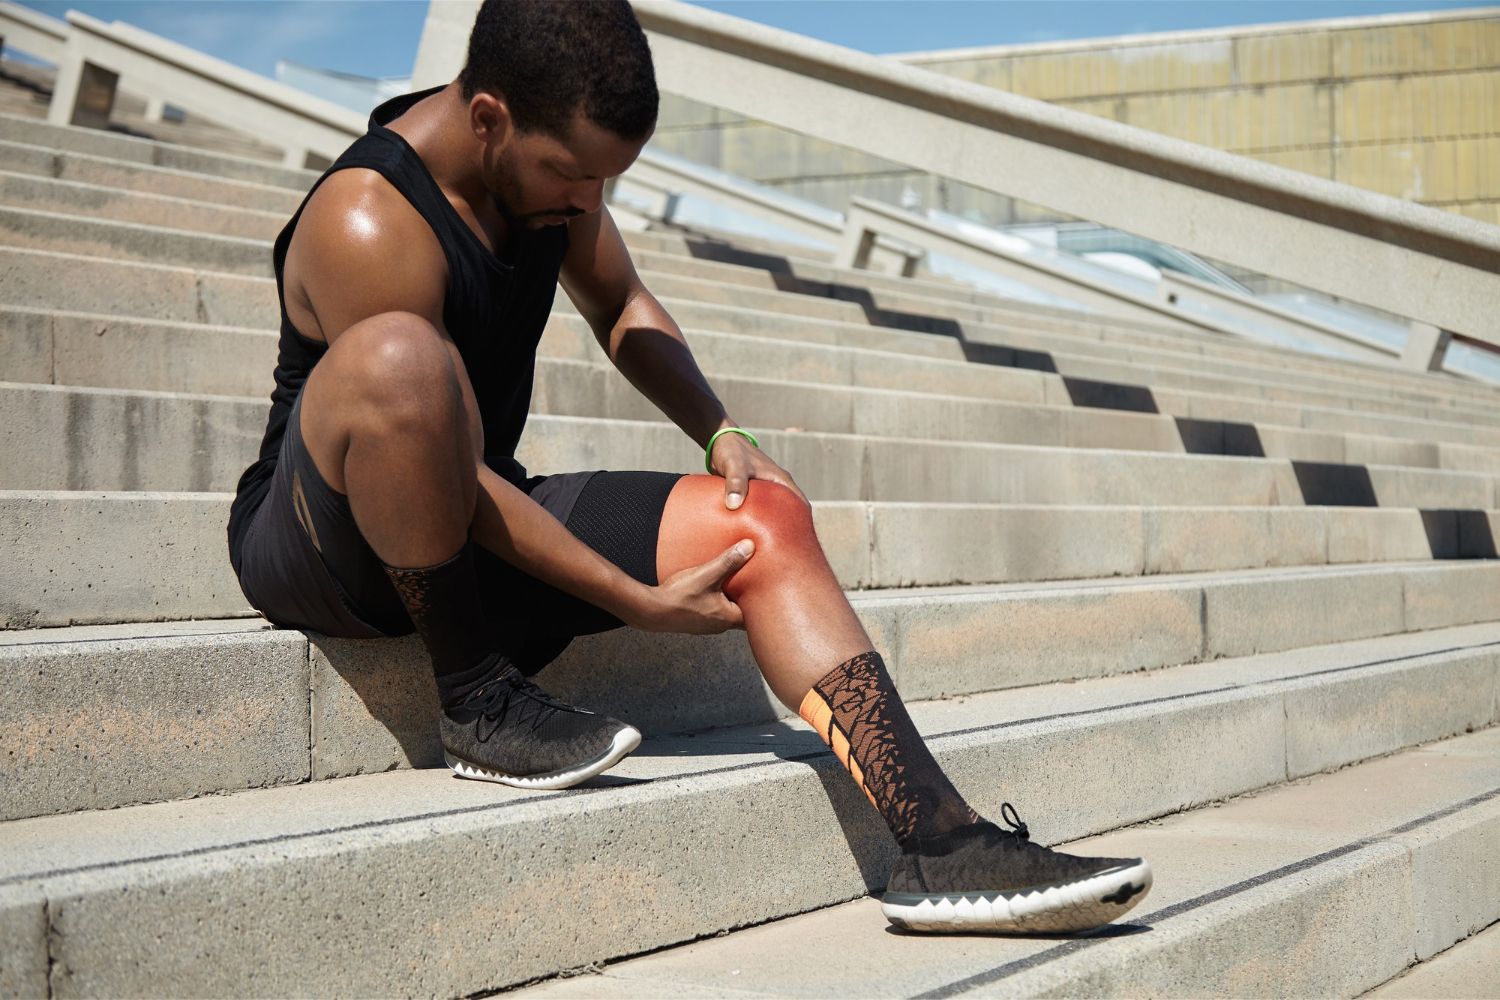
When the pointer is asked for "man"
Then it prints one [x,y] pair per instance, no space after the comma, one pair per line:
[415,282]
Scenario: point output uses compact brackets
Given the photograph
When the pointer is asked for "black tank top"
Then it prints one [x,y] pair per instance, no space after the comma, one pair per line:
[495,309]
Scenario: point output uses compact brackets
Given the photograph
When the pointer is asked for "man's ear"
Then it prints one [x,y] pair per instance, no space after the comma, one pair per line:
[490,120]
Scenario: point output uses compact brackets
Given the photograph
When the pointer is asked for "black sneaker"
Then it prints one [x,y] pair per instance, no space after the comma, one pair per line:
[513,732]
[984,878]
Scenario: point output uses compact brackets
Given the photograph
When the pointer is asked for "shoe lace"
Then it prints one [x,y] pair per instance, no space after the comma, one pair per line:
[1018,832]
[494,701]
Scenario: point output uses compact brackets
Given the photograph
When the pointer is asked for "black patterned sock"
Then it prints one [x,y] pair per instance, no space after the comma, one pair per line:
[856,709]
[443,602]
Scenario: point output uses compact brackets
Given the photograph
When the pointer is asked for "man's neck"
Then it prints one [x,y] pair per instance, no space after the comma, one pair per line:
[437,127]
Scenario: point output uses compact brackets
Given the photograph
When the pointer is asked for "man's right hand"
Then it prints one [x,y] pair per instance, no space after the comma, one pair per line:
[692,601]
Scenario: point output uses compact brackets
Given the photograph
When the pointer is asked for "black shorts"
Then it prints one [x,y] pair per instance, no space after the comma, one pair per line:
[305,565]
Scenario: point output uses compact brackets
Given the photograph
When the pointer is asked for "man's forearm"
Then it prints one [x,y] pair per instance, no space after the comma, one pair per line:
[517,529]
[648,348]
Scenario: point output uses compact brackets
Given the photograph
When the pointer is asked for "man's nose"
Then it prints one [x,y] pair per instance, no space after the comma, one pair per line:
[590,198]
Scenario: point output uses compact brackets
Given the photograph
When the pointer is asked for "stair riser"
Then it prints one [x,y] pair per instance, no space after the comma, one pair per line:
[109,352]
[107,440]
[37,195]
[181,730]
[103,172]
[110,288]
[118,570]
[1352,921]
[707,852]
[95,142]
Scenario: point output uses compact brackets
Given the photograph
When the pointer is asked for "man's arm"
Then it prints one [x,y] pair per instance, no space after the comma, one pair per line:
[645,344]
[361,250]
[637,334]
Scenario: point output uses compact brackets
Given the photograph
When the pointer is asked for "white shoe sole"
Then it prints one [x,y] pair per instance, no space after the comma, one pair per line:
[624,742]
[1064,907]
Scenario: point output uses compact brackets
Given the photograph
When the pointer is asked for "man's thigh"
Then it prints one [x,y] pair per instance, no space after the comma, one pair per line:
[618,515]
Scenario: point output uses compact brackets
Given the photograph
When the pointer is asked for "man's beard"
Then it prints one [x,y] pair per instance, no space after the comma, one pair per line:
[509,196]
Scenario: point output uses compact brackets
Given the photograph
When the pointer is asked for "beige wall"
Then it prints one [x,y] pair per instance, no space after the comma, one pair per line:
[1407,105]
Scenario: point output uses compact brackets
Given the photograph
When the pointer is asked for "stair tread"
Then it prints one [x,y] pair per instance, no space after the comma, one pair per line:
[401,802]
[1206,862]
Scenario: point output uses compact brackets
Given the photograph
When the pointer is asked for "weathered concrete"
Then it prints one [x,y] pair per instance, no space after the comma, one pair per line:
[23,944]
[89,726]
[113,440]
[373,705]
[129,557]
[95,142]
[117,352]
[395,836]
[124,175]
[84,235]
[1368,713]
[115,205]
[1467,970]
[1305,610]
[1319,870]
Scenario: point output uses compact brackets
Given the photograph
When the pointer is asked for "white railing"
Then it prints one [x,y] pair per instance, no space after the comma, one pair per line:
[1174,299]
[31,32]
[1404,258]
[96,55]
[670,179]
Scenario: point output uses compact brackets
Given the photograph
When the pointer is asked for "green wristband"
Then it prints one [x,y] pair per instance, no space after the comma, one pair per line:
[708,452]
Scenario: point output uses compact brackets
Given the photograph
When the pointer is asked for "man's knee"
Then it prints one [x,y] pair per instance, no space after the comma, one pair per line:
[775,518]
[396,370]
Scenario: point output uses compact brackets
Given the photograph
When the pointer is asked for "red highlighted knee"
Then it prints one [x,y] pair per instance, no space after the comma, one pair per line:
[696,527]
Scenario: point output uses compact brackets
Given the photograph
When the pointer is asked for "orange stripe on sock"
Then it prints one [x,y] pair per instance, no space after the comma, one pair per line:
[819,714]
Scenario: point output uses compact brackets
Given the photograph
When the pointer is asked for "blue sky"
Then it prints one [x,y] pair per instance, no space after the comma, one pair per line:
[379,37]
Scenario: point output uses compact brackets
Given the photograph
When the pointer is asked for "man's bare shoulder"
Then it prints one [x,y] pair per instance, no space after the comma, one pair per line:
[359,249]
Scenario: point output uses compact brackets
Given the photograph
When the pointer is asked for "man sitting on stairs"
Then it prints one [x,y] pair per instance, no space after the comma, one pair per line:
[415,281]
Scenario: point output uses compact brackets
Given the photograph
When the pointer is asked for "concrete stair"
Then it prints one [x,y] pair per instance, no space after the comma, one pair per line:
[1322,887]
[1121,571]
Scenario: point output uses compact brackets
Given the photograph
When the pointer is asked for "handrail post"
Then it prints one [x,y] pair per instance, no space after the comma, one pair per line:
[1426,348]
[857,244]
[84,93]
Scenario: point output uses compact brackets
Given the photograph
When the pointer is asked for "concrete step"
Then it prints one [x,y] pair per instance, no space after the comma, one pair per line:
[744,252]
[47,232]
[582,415]
[124,175]
[79,349]
[1469,969]
[96,142]
[913,306]
[135,557]
[1352,873]
[35,194]
[367,707]
[24,191]
[715,831]
[893,304]
[183,295]
[156,292]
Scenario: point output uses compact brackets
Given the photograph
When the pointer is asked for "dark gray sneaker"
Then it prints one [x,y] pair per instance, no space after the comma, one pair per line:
[984,878]
[513,732]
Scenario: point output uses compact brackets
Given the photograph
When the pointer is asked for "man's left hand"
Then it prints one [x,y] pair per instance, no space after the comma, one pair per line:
[739,461]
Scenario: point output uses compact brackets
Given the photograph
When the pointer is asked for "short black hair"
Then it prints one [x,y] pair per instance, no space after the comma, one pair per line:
[551,58]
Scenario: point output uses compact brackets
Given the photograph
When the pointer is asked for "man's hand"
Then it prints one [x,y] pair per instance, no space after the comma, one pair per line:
[739,461]
[692,601]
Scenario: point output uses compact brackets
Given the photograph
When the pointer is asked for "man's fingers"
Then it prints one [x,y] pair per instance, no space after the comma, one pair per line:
[735,487]
[736,556]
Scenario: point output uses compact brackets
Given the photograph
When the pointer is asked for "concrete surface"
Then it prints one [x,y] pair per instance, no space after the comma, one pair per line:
[1301,890]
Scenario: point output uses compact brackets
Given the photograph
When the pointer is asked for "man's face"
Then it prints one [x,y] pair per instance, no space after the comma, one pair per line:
[538,179]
